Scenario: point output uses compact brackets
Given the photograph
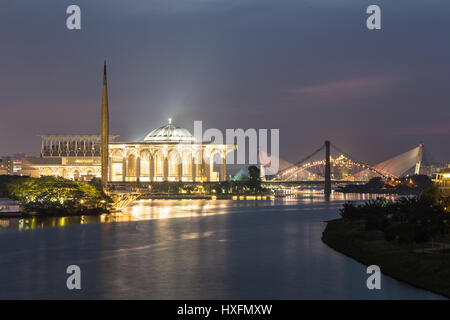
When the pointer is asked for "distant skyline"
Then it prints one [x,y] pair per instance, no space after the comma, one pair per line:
[310,68]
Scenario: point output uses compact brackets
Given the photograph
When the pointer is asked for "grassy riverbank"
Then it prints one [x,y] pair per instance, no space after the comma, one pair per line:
[408,240]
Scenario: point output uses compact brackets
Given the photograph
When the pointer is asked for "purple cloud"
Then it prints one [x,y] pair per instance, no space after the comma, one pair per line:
[346,89]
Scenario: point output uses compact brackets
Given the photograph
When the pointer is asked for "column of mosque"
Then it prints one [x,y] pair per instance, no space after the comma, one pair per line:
[202,165]
[42,147]
[180,166]
[223,171]
[124,167]
[193,166]
[207,167]
[151,163]
[110,168]
[166,166]
[138,167]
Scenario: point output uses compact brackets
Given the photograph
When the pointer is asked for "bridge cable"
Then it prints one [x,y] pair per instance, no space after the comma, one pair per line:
[301,161]
[372,168]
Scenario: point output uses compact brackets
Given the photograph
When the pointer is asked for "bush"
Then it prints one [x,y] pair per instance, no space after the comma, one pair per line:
[408,218]
[405,233]
[421,234]
[390,234]
[373,222]
[349,211]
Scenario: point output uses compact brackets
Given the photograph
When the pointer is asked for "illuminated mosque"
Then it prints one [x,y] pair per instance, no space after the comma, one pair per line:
[168,153]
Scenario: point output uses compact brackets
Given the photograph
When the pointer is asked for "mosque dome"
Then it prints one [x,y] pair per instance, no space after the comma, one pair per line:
[169,133]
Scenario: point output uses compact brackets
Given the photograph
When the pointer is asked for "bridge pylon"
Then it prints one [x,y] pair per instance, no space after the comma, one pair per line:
[419,159]
[327,189]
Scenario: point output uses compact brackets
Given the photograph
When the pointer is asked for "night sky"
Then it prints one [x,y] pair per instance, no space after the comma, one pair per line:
[310,68]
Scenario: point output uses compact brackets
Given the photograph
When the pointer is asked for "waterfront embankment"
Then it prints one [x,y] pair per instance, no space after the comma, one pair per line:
[408,239]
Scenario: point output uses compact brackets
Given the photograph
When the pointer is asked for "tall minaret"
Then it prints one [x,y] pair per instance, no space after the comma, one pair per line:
[105,130]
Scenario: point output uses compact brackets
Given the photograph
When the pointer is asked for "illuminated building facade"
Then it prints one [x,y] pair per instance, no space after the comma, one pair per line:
[442,180]
[168,153]
[75,157]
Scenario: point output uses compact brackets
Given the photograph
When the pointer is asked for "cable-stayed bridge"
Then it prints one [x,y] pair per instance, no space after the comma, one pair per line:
[330,163]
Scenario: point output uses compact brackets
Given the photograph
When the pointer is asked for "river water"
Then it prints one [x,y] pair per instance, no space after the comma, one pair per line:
[189,249]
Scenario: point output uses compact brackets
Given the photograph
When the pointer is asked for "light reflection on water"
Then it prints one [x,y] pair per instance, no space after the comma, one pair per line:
[169,209]
[260,250]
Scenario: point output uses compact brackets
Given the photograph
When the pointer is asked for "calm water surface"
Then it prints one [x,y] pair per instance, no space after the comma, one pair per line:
[189,249]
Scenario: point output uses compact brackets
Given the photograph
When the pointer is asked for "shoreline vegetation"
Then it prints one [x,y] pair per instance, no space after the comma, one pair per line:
[409,238]
[249,186]
[412,185]
[54,196]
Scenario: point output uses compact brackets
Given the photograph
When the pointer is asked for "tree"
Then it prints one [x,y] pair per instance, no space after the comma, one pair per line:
[431,194]
[56,195]
[254,178]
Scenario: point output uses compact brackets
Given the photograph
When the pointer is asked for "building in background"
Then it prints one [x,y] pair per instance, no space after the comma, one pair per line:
[7,165]
[11,165]
[75,157]
[433,168]
[17,163]
[442,180]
